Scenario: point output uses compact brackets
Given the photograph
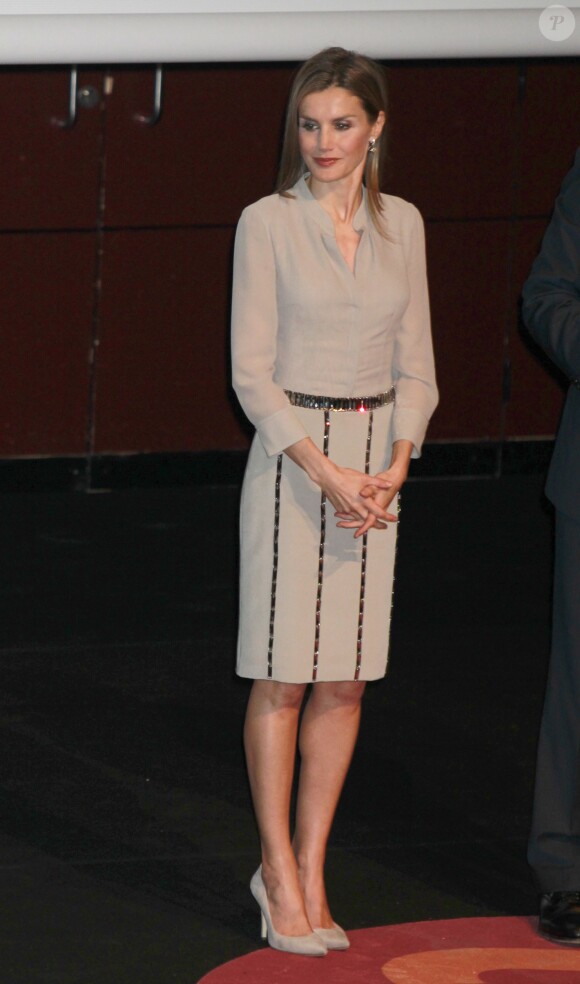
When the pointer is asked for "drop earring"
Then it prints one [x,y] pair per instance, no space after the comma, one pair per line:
[372,147]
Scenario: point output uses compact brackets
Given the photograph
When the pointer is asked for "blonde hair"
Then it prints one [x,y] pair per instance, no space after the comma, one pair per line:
[364,78]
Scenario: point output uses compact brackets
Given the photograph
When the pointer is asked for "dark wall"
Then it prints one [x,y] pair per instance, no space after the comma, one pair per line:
[116,237]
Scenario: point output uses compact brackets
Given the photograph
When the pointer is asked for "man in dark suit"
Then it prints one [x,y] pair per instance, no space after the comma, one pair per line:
[551,311]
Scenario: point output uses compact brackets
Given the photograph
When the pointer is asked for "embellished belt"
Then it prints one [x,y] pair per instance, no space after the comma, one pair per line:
[360,403]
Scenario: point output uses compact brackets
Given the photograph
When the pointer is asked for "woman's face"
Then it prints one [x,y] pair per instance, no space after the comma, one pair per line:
[334,132]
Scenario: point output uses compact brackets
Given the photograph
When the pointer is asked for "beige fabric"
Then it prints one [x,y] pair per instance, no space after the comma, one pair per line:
[292,655]
[302,321]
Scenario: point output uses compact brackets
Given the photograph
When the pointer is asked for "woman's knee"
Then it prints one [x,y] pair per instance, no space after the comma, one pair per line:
[279,695]
[339,693]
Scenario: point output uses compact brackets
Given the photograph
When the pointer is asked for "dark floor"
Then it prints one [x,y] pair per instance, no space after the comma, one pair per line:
[127,838]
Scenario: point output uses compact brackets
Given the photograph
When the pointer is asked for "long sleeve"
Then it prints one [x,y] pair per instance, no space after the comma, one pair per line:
[551,294]
[254,337]
[301,320]
[413,363]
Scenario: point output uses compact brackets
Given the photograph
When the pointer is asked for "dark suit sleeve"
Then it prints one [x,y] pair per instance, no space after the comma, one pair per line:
[551,294]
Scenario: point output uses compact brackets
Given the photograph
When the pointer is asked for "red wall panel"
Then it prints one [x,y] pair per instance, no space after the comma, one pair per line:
[163,366]
[453,143]
[45,331]
[550,132]
[214,150]
[468,264]
[49,176]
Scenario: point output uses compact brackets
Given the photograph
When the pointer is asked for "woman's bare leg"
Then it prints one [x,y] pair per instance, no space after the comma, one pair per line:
[328,736]
[270,736]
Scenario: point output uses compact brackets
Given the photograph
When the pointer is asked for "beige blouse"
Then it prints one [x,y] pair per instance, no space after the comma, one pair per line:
[301,320]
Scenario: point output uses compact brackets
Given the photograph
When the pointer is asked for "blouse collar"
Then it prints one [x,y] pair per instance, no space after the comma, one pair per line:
[320,215]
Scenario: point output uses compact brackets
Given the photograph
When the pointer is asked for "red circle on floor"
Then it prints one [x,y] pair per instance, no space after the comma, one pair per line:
[496,950]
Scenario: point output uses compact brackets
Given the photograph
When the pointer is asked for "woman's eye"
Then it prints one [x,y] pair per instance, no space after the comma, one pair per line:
[308,125]
[343,126]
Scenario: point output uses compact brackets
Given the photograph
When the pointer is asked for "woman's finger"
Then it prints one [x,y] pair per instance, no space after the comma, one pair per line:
[353,524]
[376,510]
[344,515]
[375,481]
[369,490]
[370,523]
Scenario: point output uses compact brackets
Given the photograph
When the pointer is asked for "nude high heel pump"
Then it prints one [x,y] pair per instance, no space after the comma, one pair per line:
[308,946]
[335,938]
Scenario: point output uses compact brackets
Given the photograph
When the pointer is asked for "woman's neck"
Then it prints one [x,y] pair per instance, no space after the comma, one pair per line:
[341,200]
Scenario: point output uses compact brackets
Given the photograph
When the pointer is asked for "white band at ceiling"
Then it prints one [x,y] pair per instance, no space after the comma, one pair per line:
[82,7]
[125,31]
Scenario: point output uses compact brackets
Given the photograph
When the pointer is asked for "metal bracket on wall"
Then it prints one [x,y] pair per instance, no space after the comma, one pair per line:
[157,101]
[71,119]
[87,97]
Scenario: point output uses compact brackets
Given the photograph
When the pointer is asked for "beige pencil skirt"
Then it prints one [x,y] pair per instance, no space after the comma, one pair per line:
[315,604]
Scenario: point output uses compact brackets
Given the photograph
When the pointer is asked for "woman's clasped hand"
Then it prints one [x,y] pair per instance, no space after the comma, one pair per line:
[360,500]
[377,495]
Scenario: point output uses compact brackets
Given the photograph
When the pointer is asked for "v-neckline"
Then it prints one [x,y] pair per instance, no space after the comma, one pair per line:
[322,217]
[352,270]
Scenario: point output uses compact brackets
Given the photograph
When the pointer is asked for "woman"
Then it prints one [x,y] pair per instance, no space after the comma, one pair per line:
[333,365]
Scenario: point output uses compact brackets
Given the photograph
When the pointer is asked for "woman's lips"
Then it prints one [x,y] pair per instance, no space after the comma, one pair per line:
[325,161]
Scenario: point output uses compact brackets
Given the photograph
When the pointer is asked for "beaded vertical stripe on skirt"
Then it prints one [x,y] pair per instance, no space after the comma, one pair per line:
[315,603]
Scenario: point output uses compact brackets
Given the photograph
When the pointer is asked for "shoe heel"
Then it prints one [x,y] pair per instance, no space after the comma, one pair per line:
[310,945]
